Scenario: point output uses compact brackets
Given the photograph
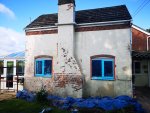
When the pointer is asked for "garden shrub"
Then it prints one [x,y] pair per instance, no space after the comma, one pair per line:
[41,96]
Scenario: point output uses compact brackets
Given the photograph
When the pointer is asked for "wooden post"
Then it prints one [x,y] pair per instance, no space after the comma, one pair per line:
[0,83]
[17,83]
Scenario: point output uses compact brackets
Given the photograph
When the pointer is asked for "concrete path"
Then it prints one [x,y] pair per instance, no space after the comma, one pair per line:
[143,96]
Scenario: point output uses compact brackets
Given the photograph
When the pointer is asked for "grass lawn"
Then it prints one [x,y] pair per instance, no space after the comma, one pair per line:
[21,106]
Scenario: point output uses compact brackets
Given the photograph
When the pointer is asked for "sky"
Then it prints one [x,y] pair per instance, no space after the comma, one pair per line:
[15,15]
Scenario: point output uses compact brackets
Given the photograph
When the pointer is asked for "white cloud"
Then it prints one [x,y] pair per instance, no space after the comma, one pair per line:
[7,11]
[11,41]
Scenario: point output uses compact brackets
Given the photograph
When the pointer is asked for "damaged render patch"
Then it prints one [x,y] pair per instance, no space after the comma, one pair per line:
[55,83]
[61,80]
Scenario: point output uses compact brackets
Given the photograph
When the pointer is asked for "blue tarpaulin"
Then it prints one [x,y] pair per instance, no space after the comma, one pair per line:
[105,103]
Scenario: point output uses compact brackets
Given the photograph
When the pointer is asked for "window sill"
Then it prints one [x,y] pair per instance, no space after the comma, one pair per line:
[44,76]
[104,79]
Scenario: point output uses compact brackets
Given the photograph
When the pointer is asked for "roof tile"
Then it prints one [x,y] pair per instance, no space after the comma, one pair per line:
[114,13]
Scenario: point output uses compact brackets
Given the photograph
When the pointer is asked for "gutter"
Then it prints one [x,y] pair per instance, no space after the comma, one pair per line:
[104,23]
[83,24]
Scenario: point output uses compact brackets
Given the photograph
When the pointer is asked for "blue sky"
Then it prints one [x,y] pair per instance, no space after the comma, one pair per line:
[16,14]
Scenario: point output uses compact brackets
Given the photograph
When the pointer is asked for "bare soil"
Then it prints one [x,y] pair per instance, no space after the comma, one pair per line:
[7,95]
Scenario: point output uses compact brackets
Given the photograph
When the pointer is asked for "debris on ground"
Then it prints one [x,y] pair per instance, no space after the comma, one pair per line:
[46,110]
[105,103]
[25,95]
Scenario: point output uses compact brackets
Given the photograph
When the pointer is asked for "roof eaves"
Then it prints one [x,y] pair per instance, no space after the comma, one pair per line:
[140,29]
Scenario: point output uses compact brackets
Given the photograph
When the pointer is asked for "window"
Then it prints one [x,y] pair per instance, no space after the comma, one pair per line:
[20,67]
[10,65]
[1,67]
[103,68]
[137,67]
[43,67]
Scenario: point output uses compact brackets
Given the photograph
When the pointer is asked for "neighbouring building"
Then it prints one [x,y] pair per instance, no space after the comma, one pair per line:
[10,66]
[141,56]
[80,53]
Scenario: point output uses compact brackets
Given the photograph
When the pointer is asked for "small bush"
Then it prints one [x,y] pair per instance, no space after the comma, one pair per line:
[41,96]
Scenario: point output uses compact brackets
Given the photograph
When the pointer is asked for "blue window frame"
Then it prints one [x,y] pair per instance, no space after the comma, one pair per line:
[43,67]
[103,69]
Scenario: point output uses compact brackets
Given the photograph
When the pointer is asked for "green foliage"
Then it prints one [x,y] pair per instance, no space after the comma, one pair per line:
[41,96]
[22,106]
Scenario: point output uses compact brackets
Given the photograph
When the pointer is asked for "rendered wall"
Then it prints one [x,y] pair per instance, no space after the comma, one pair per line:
[109,42]
[61,83]
[86,44]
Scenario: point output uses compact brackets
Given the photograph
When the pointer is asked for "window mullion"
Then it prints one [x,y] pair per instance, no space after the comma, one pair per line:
[43,62]
[103,69]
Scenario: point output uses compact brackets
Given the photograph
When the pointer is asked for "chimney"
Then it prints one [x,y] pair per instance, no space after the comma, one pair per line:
[66,11]
[60,2]
[66,21]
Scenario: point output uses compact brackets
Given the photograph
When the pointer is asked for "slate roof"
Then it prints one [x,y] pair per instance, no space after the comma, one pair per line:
[114,13]
[14,55]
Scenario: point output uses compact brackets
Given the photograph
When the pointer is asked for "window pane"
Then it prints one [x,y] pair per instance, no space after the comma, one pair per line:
[137,66]
[48,67]
[108,68]
[96,68]
[10,65]
[1,67]
[20,67]
[38,67]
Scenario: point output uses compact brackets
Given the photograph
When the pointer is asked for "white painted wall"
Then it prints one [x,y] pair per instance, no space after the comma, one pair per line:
[86,44]
[66,13]
[37,45]
[110,42]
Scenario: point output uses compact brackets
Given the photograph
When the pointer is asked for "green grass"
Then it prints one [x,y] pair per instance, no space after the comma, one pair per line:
[21,106]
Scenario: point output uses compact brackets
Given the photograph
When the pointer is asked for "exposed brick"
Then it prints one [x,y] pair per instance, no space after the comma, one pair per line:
[42,32]
[82,29]
[97,28]
[139,40]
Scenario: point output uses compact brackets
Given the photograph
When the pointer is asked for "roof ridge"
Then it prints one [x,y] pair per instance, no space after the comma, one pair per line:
[86,9]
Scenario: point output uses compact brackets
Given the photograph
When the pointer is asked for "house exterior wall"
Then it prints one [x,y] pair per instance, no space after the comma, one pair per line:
[60,83]
[86,44]
[139,40]
[142,79]
[139,44]
[108,42]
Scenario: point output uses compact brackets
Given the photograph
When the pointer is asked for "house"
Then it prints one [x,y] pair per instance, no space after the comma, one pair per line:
[10,66]
[141,56]
[80,53]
